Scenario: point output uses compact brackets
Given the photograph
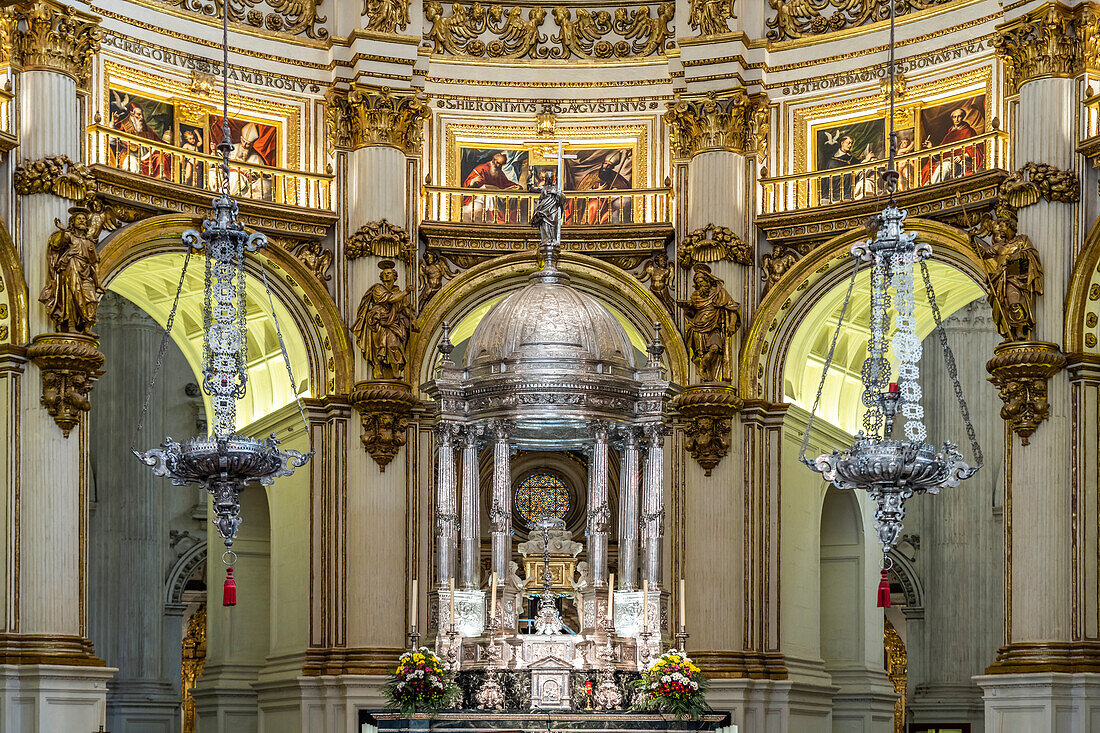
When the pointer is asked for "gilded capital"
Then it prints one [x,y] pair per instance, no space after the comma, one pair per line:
[49,35]
[361,118]
[1052,40]
[731,120]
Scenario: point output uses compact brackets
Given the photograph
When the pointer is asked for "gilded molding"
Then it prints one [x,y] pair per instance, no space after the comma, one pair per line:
[52,36]
[56,174]
[1075,657]
[496,32]
[1035,181]
[798,19]
[732,120]
[70,363]
[384,407]
[386,16]
[1020,371]
[278,16]
[379,238]
[1051,41]
[708,410]
[361,118]
[713,243]
[710,17]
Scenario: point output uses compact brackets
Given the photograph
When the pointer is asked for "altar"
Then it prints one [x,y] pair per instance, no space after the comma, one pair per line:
[479,722]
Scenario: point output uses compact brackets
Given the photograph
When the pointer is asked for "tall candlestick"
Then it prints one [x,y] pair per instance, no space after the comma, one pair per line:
[683,615]
[492,597]
[610,595]
[413,605]
[452,602]
[645,605]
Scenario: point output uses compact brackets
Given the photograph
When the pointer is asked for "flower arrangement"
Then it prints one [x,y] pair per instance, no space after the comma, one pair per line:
[673,684]
[420,684]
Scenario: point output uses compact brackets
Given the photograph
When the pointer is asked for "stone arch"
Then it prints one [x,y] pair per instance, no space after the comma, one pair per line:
[186,564]
[770,333]
[1082,325]
[488,280]
[13,295]
[906,574]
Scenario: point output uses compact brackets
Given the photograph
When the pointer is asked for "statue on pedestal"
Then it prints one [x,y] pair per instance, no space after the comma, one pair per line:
[72,289]
[547,213]
[712,316]
[383,323]
[1015,277]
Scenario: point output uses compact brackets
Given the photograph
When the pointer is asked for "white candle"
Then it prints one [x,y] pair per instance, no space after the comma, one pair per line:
[452,603]
[493,596]
[610,595]
[645,605]
[683,616]
[413,605]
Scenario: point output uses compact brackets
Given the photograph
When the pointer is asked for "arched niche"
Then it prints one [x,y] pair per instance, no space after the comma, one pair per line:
[13,293]
[152,252]
[842,587]
[1082,324]
[470,295]
[798,314]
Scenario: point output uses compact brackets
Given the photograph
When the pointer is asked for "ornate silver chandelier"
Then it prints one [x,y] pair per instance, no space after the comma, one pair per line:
[890,470]
[223,462]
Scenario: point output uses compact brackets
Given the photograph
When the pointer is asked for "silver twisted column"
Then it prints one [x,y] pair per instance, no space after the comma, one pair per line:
[471,508]
[598,514]
[446,518]
[500,514]
[628,509]
[653,505]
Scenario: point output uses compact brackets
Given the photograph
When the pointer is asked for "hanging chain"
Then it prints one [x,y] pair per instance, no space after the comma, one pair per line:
[160,353]
[828,362]
[286,356]
[952,370]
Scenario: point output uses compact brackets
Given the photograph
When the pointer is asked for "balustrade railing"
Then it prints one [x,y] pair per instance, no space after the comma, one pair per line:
[249,181]
[514,206]
[920,168]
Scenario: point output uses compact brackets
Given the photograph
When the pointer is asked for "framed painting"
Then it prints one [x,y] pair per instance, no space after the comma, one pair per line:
[143,118]
[254,142]
[495,169]
[596,170]
[192,138]
[953,123]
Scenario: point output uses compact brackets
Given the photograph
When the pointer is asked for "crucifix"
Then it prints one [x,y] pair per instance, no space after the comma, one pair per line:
[561,157]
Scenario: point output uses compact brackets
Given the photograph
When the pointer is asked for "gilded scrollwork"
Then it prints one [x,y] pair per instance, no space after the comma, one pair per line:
[381,239]
[710,17]
[713,243]
[56,174]
[361,117]
[194,659]
[800,18]
[1053,40]
[69,363]
[708,411]
[731,120]
[1020,371]
[292,17]
[1040,181]
[384,408]
[386,16]
[49,35]
[497,31]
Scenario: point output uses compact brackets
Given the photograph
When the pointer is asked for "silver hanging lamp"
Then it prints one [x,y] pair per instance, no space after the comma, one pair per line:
[889,470]
[224,462]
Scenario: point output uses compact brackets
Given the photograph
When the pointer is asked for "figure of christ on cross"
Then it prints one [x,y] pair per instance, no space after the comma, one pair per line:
[548,209]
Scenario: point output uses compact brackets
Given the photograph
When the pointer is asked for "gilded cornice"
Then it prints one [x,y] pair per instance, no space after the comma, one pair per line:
[1050,41]
[362,118]
[51,36]
[732,120]
[795,19]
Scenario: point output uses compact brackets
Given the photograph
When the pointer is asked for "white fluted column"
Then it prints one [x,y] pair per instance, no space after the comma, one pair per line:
[628,510]
[598,513]
[471,509]
[500,514]
[446,517]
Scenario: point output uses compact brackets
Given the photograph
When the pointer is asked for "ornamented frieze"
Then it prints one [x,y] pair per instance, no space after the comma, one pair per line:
[494,31]
[360,118]
[56,174]
[713,243]
[292,17]
[708,411]
[731,120]
[799,19]
[379,238]
[1052,40]
[49,35]
[1020,371]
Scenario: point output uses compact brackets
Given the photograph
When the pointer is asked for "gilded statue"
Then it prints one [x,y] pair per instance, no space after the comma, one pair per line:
[1015,277]
[775,264]
[386,16]
[434,272]
[660,274]
[709,16]
[72,289]
[316,258]
[383,324]
[712,316]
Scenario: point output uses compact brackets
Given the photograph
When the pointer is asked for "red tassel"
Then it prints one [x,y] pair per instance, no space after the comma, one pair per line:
[229,591]
[884,590]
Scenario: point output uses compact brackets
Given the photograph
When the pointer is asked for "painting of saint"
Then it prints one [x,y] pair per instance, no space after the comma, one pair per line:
[138,117]
[255,143]
[495,169]
[193,139]
[949,123]
[602,169]
[847,144]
